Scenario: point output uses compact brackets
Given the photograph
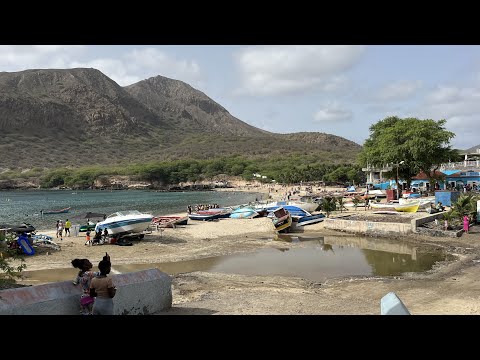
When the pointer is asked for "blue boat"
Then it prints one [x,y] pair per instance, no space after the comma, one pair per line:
[294,211]
[312,219]
[243,213]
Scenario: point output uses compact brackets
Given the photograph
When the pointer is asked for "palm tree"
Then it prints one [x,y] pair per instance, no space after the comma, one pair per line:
[329,204]
[341,203]
[465,205]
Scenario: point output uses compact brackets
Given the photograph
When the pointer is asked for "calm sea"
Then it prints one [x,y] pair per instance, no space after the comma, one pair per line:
[24,206]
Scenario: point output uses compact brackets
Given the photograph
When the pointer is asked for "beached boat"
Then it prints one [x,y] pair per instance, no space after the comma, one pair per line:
[207,215]
[312,219]
[282,219]
[243,213]
[170,221]
[121,222]
[49,212]
[407,207]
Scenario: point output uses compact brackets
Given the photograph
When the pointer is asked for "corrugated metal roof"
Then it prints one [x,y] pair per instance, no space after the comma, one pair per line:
[450,172]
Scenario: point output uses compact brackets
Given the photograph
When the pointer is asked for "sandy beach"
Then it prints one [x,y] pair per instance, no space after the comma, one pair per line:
[449,288]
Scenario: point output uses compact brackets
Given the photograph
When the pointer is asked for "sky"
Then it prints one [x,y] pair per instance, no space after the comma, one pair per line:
[334,89]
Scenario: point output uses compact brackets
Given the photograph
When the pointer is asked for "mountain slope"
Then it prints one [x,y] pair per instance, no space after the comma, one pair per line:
[189,108]
[79,117]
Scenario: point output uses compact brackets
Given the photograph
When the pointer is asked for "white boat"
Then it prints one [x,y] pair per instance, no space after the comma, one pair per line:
[121,222]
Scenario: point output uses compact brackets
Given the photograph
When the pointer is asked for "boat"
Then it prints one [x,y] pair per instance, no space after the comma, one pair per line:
[407,207]
[19,229]
[243,213]
[124,222]
[282,219]
[49,212]
[294,211]
[207,216]
[87,227]
[169,221]
[312,219]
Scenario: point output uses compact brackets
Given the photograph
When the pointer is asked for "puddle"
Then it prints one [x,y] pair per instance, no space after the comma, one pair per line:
[313,258]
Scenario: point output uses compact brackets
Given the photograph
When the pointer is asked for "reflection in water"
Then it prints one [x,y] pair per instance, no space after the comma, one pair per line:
[314,258]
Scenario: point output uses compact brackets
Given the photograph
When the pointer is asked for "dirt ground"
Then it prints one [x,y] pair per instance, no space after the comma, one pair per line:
[449,288]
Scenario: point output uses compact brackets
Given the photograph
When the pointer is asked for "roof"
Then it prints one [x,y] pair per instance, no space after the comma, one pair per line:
[450,172]
[423,176]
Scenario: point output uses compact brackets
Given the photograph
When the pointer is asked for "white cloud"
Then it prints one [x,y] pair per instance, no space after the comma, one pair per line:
[400,90]
[460,107]
[332,112]
[126,69]
[272,70]
[22,57]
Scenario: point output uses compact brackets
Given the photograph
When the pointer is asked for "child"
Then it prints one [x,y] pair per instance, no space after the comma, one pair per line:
[87,237]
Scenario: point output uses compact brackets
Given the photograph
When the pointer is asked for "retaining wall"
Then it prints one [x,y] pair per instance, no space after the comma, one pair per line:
[367,227]
[138,293]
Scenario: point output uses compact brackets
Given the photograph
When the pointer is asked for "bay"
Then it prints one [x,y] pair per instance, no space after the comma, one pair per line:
[24,206]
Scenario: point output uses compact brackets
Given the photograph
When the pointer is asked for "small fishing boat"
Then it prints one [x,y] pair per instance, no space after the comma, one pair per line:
[169,221]
[282,219]
[243,213]
[49,212]
[312,219]
[407,207]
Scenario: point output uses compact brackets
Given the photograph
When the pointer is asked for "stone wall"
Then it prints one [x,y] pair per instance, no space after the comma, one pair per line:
[138,293]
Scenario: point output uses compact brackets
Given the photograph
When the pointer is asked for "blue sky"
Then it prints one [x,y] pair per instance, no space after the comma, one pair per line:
[339,90]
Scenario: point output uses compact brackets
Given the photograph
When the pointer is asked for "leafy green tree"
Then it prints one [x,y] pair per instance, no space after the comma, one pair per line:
[423,145]
[8,273]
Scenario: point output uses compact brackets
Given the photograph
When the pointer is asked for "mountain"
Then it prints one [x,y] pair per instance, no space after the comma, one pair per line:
[188,108]
[78,117]
[471,150]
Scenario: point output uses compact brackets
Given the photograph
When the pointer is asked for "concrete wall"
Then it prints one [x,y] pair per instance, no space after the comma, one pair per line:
[138,293]
[367,227]
[425,219]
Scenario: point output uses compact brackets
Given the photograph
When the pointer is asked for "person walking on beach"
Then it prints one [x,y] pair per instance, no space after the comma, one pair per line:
[466,224]
[102,289]
[189,209]
[56,227]
[84,278]
[68,225]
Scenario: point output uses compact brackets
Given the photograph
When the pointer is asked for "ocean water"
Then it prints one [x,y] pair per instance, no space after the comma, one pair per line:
[24,206]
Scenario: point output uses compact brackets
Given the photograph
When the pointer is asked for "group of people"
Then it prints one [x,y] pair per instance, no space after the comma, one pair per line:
[98,289]
[99,237]
[61,226]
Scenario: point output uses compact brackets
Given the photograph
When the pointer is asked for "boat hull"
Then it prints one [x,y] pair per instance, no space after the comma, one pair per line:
[308,220]
[51,212]
[121,225]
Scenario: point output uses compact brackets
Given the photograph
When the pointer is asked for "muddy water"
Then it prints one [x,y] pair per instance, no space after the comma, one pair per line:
[315,258]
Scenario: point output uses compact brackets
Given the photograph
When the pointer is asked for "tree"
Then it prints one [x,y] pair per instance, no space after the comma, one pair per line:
[423,145]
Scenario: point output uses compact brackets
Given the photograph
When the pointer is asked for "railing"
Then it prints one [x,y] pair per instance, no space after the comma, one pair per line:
[468,164]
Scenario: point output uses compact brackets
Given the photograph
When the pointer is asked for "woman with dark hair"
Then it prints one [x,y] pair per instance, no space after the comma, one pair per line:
[84,277]
[102,289]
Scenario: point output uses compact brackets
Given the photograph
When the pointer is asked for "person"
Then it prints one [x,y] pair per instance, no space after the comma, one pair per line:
[68,225]
[84,277]
[97,237]
[105,235]
[440,206]
[466,223]
[87,238]
[103,289]
[60,229]
[189,209]
[56,227]
[367,203]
